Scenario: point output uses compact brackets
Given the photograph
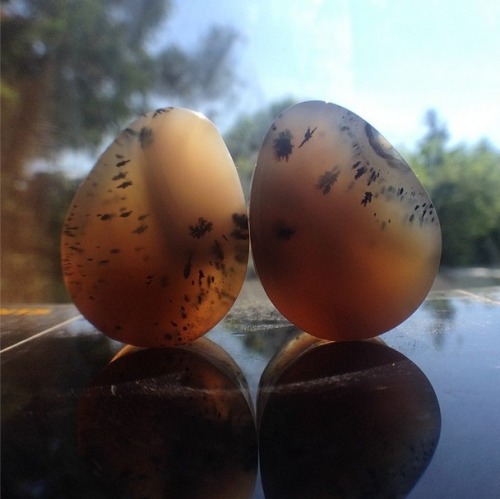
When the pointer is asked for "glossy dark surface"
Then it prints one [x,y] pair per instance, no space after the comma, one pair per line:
[453,339]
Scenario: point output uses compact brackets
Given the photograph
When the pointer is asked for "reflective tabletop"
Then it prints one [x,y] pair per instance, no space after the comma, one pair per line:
[256,408]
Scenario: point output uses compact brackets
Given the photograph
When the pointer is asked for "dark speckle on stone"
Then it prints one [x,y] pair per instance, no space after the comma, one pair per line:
[284,231]
[283,145]
[367,199]
[187,267]
[146,137]
[327,179]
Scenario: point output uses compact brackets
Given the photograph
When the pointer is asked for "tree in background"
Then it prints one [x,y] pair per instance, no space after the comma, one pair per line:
[73,71]
[464,184]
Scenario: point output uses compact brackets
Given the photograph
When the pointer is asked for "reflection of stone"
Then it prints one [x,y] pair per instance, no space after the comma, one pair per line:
[172,422]
[350,419]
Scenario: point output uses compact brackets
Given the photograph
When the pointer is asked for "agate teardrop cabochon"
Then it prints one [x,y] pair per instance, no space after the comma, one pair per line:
[155,244]
[344,237]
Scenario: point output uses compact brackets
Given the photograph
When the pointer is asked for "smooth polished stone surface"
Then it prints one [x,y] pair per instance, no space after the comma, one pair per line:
[453,339]
[155,245]
[345,238]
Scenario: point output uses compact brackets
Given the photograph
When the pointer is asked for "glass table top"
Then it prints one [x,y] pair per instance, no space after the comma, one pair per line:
[413,413]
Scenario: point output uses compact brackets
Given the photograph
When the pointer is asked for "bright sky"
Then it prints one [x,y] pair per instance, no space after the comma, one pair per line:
[387,60]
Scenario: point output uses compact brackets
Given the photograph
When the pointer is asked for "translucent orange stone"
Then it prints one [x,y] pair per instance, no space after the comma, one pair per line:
[155,244]
[345,239]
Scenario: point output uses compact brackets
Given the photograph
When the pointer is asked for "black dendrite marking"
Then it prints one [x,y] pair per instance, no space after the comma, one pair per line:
[201,228]
[217,250]
[120,176]
[124,185]
[146,137]
[187,267]
[284,231]
[307,136]
[105,216]
[70,231]
[183,312]
[122,163]
[240,230]
[201,275]
[326,181]
[283,145]
[367,199]
[201,296]
[125,214]
[131,131]
[140,229]
[373,176]
[360,172]
[161,110]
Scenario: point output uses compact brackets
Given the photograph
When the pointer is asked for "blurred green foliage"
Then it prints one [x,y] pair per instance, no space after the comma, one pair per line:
[464,184]
[78,69]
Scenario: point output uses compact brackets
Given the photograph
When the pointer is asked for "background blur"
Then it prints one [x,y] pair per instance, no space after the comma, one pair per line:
[73,72]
